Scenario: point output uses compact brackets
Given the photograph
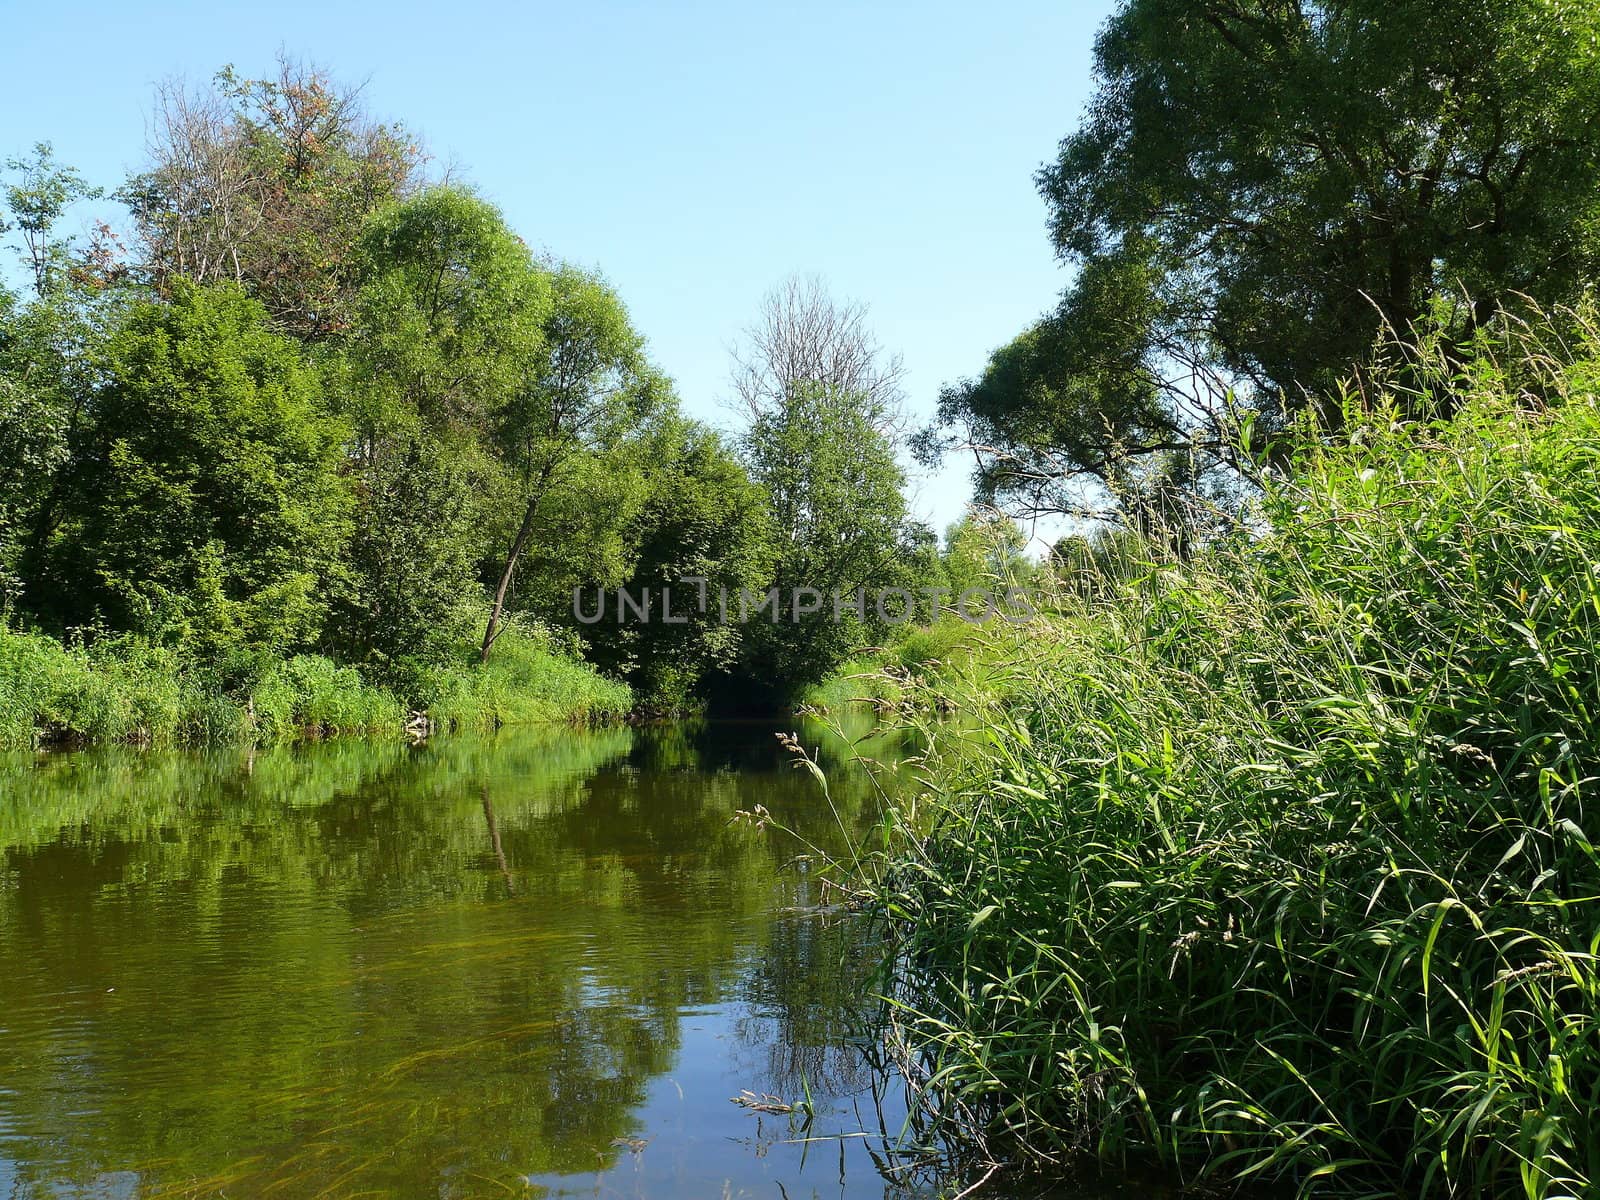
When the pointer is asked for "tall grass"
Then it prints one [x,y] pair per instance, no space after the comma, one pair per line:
[920,666]
[528,679]
[125,689]
[1275,864]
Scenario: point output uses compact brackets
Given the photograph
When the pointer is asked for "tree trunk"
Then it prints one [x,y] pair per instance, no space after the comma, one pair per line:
[513,554]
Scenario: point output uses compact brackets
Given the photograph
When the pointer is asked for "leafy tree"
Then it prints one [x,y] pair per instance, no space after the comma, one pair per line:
[203,499]
[703,533]
[448,320]
[838,516]
[983,550]
[564,436]
[407,590]
[1258,191]
[267,183]
[37,198]
[47,346]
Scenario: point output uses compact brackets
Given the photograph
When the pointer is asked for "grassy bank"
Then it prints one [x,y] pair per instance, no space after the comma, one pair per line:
[125,689]
[1275,864]
[919,668]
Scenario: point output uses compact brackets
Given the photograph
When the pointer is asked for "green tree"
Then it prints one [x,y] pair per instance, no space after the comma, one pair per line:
[1258,191]
[37,197]
[408,592]
[565,436]
[448,322]
[203,500]
[703,532]
[984,550]
[838,516]
[48,342]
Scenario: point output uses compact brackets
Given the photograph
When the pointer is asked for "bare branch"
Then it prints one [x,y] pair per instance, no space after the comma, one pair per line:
[803,337]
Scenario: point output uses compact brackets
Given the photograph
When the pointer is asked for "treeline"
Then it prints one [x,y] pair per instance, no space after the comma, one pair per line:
[305,400]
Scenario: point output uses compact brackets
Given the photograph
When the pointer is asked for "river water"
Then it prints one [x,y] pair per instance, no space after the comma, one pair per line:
[538,964]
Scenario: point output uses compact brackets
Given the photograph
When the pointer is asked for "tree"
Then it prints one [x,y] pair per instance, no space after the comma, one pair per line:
[1258,192]
[48,343]
[408,585]
[702,533]
[267,183]
[203,499]
[37,198]
[838,514]
[984,550]
[802,339]
[562,434]
[447,322]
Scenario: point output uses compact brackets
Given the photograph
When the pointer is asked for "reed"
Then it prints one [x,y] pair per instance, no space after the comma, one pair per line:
[1272,864]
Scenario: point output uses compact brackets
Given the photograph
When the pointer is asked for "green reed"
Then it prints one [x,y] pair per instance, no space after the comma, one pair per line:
[1273,864]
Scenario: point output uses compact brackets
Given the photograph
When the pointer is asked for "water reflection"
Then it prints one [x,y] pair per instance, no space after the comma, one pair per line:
[534,964]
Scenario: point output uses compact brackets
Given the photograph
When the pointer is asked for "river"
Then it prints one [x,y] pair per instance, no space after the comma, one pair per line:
[539,964]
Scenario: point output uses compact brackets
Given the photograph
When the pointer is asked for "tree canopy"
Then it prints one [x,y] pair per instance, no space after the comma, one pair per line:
[1258,191]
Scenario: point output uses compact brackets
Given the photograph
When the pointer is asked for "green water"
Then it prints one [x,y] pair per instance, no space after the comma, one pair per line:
[538,964]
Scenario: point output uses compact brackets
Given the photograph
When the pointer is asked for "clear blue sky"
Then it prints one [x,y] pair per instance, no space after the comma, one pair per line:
[694,153]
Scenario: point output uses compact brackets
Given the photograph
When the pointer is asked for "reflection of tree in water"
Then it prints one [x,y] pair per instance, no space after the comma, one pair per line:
[809,1005]
[369,966]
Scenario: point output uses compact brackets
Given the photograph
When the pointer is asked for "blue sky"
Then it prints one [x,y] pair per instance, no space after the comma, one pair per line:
[694,153]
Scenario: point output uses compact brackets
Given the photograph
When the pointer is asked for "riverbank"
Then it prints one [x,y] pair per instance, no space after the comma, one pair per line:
[126,689]
[1273,863]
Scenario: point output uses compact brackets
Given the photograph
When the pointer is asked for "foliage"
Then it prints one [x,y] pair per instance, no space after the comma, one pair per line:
[448,318]
[567,438]
[409,571]
[129,689]
[120,690]
[37,199]
[703,533]
[1272,861]
[837,511]
[203,501]
[311,694]
[532,678]
[266,183]
[1258,191]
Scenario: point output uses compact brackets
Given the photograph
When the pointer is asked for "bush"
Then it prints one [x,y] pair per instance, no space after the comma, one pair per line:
[1277,860]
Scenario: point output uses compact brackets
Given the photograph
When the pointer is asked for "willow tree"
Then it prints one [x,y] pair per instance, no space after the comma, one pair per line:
[1259,190]
[564,435]
[448,323]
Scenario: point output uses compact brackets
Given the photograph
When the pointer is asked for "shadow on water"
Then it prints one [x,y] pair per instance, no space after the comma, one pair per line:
[537,964]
